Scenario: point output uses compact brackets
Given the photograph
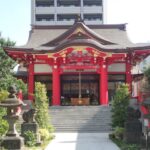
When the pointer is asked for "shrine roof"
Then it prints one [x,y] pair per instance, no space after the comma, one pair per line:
[106,37]
[81,42]
[115,34]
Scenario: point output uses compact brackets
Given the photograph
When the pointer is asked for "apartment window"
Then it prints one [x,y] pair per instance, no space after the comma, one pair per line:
[44,3]
[67,17]
[68,3]
[44,17]
[91,17]
[92,2]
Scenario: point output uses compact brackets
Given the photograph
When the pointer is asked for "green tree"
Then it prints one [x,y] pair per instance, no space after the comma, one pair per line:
[3,123]
[6,67]
[120,105]
[41,106]
[6,63]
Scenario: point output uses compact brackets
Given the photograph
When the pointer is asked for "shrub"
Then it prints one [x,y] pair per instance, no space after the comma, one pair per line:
[44,134]
[3,123]
[41,106]
[30,138]
[120,105]
[119,132]
[130,147]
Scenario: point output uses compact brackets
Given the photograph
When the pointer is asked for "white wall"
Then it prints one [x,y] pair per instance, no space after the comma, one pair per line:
[117,67]
[42,68]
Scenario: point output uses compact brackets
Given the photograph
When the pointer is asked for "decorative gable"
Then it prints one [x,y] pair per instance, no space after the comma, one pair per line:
[78,31]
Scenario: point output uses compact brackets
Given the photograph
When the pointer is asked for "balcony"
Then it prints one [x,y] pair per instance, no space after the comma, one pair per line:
[45,10]
[68,10]
[93,9]
[44,22]
[65,22]
[93,22]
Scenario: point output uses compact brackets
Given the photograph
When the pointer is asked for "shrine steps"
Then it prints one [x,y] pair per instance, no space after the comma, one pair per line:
[81,118]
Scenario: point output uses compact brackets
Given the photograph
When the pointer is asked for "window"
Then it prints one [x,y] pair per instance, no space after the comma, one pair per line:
[92,2]
[67,17]
[91,17]
[44,17]
[44,3]
[68,3]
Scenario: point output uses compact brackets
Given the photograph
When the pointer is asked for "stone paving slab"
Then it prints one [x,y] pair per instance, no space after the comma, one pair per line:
[81,141]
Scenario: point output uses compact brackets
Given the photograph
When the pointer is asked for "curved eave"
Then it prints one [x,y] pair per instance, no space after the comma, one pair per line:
[18,50]
[90,43]
[98,46]
[78,42]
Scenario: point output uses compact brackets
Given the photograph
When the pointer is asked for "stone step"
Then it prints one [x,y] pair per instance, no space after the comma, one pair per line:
[75,123]
[81,118]
[82,130]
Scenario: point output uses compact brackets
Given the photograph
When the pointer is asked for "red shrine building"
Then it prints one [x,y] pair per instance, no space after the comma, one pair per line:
[79,64]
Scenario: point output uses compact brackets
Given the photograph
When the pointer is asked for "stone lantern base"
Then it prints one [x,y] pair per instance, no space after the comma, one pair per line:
[13,143]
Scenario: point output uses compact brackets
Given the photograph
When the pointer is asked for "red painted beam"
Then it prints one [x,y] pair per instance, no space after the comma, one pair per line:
[31,81]
[79,67]
[142,51]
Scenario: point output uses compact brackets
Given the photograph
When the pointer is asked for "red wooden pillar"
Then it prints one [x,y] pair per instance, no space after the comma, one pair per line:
[128,73]
[31,81]
[56,85]
[103,84]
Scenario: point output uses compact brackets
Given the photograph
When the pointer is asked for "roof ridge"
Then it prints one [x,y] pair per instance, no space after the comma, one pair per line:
[100,26]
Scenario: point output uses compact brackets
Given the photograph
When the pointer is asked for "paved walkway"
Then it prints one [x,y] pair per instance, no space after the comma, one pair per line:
[81,141]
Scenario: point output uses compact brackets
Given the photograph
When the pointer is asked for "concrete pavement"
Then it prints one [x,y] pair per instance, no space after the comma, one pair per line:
[81,141]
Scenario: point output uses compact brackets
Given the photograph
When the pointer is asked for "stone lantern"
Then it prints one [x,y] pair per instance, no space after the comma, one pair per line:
[12,140]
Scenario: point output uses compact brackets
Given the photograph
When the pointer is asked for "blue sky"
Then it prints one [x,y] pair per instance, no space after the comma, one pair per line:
[15,18]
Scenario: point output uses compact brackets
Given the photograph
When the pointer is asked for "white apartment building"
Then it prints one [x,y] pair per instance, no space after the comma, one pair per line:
[64,12]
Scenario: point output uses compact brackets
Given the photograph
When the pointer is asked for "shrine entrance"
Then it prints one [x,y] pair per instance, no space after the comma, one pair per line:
[80,89]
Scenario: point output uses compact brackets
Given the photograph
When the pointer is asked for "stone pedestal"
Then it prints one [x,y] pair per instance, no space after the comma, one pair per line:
[133,127]
[133,132]
[33,127]
[30,124]
[29,127]
[12,143]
